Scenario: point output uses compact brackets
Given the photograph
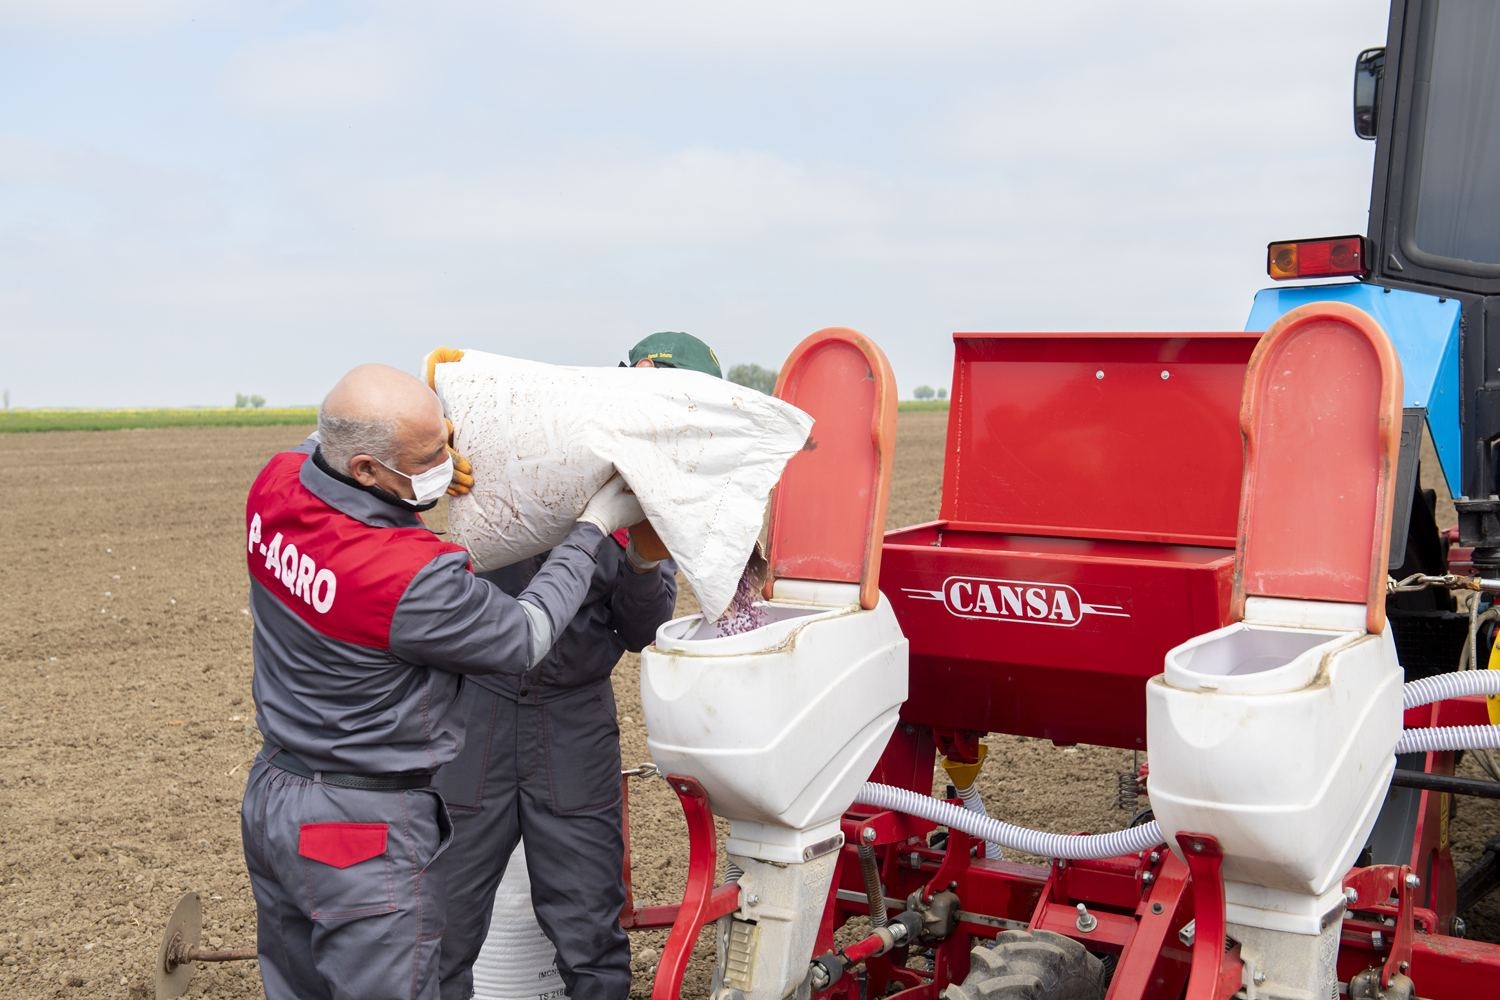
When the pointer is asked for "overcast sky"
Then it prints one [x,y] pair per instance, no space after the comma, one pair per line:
[204,198]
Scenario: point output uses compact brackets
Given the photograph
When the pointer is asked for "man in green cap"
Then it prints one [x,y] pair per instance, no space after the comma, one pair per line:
[541,763]
[675,350]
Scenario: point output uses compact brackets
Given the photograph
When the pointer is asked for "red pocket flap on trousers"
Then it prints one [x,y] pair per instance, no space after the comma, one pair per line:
[341,844]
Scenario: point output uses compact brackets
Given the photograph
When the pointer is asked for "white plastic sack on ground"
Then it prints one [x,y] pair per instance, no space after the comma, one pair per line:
[516,962]
[700,453]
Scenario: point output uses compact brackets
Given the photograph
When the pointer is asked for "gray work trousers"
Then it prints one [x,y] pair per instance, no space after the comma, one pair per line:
[548,772]
[348,903]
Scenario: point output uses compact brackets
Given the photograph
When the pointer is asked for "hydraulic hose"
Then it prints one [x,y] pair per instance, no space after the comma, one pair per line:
[1444,686]
[1038,842]
[1443,738]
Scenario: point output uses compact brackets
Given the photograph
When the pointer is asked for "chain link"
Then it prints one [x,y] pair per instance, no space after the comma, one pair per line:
[1421,581]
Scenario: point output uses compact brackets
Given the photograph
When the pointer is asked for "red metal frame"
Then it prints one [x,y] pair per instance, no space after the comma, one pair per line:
[1141,903]
[1217,970]
[1152,963]
[1373,889]
[1431,856]
[633,917]
[1105,468]
[702,902]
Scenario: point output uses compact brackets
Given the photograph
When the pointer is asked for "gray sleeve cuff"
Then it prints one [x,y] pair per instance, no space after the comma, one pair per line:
[541,631]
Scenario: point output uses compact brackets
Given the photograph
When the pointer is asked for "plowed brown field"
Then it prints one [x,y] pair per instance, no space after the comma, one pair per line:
[126,725]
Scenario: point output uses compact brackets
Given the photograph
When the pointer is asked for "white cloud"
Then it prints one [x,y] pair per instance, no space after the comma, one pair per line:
[95,15]
[23,158]
[1180,96]
[832,29]
[52,193]
[605,199]
[906,170]
[358,69]
[1056,39]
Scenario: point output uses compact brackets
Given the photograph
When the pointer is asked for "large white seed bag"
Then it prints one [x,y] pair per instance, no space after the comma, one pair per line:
[700,453]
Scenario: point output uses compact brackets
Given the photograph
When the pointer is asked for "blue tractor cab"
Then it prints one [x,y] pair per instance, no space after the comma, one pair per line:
[1428,270]
[1429,267]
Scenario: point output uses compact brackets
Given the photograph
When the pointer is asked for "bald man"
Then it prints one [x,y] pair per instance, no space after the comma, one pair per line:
[364,622]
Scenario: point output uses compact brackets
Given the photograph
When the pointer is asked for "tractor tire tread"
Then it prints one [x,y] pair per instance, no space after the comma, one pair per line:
[1031,965]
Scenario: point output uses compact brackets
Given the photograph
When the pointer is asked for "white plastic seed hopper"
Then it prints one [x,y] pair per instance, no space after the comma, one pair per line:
[1273,735]
[782,725]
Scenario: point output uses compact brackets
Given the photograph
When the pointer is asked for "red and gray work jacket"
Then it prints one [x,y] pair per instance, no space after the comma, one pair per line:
[364,620]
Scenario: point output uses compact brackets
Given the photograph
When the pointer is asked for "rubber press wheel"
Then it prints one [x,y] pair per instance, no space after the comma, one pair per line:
[1031,965]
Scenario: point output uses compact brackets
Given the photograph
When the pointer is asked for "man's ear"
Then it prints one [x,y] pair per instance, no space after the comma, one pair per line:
[362,470]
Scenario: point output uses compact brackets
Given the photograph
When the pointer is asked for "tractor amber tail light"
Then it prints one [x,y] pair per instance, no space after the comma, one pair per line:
[1342,256]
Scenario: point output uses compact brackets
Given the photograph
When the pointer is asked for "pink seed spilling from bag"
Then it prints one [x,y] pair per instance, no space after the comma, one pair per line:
[744,613]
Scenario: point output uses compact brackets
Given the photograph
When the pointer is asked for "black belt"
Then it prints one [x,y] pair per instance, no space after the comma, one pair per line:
[397,782]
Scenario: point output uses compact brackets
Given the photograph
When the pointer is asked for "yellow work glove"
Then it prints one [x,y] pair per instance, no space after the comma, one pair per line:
[441,356]
[463,471]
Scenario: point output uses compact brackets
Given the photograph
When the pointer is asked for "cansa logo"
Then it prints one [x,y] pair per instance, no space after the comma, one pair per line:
[1028,601]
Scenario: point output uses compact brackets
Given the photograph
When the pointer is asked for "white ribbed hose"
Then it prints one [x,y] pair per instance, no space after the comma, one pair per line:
[1038,842]
[1442,738]
[1447,738]
[972,802]
[1444,686]
[972,819]
[1469,660]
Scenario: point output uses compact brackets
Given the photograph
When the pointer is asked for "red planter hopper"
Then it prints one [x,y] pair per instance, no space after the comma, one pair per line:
[1088,520]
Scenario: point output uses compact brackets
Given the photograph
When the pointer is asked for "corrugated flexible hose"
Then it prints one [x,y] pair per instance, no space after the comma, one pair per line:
[1038,842]
[1441,687]
[1444,738]
[975,804]
[1139,838]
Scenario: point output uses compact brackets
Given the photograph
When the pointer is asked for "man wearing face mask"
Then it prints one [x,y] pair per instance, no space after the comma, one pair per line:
[364,623]
[542,763]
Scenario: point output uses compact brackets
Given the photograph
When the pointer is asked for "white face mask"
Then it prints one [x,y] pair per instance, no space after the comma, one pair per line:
[429,485]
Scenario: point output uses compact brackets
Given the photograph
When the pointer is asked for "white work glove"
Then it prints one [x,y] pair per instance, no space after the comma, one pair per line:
[612,508]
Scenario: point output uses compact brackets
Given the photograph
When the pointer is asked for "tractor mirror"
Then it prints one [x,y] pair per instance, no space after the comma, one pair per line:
[1368,68]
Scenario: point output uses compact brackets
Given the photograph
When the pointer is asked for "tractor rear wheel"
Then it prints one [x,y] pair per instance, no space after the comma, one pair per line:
[1031,965]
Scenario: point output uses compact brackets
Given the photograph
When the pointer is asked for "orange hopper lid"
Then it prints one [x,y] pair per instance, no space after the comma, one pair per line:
[1321,419]
[828,512]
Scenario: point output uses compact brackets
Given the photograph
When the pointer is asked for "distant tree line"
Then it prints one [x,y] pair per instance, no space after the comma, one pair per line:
[243,401]
[764,380]
[753,377]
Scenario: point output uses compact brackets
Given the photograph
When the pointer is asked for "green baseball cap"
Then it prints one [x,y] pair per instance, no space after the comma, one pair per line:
[677,350]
